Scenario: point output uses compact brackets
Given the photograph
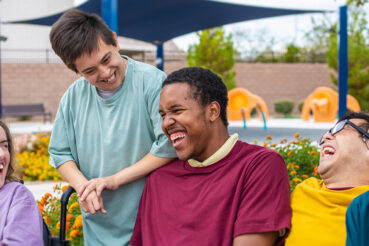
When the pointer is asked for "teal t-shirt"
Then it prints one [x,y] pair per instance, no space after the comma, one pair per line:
[103,136]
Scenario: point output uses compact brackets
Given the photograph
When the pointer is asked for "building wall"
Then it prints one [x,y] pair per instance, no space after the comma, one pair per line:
[24,83]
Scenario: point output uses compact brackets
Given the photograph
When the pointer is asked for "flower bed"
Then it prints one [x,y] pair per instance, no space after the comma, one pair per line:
[49,207]
[33,159]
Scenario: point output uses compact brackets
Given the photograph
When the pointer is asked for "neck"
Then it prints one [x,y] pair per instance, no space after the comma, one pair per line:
[219,135]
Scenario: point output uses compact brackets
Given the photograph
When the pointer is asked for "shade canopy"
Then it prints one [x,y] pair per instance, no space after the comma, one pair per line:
[162,20]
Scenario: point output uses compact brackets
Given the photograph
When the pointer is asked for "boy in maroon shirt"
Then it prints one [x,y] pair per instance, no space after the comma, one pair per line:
[220,191]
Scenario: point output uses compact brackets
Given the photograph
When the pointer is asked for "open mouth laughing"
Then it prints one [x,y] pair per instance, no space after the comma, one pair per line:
[110,80]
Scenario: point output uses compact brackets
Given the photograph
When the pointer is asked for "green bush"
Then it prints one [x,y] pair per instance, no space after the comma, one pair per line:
[300,105]
[284,106]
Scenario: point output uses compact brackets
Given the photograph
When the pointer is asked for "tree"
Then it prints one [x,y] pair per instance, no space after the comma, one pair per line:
[215,52]
[358,55]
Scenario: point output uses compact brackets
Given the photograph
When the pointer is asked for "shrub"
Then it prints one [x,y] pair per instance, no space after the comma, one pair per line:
[300,105]
[49,207]
[301,157]
[284,106]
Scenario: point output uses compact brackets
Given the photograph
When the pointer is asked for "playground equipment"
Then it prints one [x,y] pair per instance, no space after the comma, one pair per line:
[242,102]
[323,103]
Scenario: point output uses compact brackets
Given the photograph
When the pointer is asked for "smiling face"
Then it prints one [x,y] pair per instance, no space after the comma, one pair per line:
[4,156]
[185,122]
[343,152]
[104,68]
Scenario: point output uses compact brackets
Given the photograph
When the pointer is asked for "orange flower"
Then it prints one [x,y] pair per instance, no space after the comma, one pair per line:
[293,172]
[296,135]
[268,137]
[305,176]
[288,166]
[296,167]
[290,152]
[65,187]
[58,225]
[265,144]
[78,222]
[47,195]
[273,145]
[42,202]
[74,233]
[297,180]
[69,217]
[312,153]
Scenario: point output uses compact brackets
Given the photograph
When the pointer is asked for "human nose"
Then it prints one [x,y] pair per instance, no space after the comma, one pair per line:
[326,136]
[168,121]
[104,71]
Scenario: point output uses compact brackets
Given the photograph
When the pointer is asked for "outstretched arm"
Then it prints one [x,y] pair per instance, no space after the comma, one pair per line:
[138,170]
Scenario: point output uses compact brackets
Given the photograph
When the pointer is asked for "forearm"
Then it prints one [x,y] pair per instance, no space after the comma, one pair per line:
[70,172]
[257,239]
[140,169]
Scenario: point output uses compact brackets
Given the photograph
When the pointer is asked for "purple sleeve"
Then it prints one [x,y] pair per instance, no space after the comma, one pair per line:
[23,223]
[265,202]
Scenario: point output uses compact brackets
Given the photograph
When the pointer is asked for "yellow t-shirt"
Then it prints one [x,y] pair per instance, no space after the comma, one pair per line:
[318,214]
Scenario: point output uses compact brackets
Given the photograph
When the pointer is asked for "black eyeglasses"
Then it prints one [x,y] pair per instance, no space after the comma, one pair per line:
[340,125]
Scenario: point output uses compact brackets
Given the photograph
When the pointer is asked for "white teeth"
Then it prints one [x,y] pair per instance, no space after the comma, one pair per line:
[174,137]
[328,151]
[111,78]
[1,166]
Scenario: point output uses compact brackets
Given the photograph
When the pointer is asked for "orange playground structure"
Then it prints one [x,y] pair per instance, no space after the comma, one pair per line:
[241,102]
[323,103]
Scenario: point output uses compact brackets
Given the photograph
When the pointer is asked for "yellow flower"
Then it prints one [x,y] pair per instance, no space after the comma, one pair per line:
[75,204]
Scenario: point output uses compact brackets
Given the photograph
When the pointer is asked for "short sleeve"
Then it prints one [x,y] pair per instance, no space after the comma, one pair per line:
[161,147]
[24,222]
[60,148]
[265,201]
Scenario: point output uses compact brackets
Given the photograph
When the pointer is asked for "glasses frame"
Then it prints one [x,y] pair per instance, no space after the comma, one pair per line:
[339,126]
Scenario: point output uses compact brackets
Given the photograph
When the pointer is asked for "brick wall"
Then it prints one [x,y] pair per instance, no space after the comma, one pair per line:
[46,83]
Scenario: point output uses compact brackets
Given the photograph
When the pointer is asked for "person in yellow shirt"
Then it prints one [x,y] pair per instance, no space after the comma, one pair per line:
[319,206]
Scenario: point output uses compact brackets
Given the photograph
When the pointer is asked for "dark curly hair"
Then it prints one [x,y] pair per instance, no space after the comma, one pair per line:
[77,33]
[206,86]
[10,175]
[357,115]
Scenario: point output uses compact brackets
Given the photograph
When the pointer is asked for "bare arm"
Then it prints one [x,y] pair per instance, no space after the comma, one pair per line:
[70,172]
[257,239]
[138,170]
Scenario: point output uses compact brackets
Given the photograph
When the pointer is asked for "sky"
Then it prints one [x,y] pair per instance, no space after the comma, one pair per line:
[284,29]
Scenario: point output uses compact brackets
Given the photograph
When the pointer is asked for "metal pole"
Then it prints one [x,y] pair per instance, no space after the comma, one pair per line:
[159,56]
[109,13]
[343,63]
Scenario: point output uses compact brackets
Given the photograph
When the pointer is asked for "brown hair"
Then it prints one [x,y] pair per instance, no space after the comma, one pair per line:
[77,33]
[10,175]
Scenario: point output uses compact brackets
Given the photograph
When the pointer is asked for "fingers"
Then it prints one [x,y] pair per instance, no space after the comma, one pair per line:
[86,189]
[93,204]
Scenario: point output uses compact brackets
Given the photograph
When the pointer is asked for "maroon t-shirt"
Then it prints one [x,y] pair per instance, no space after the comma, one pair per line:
[245,192]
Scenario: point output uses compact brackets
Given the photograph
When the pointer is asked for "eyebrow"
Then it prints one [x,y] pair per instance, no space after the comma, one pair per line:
[175,106]
[4,141]
[101,60]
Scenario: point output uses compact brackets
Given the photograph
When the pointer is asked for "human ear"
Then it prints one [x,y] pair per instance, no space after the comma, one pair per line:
[213,111]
